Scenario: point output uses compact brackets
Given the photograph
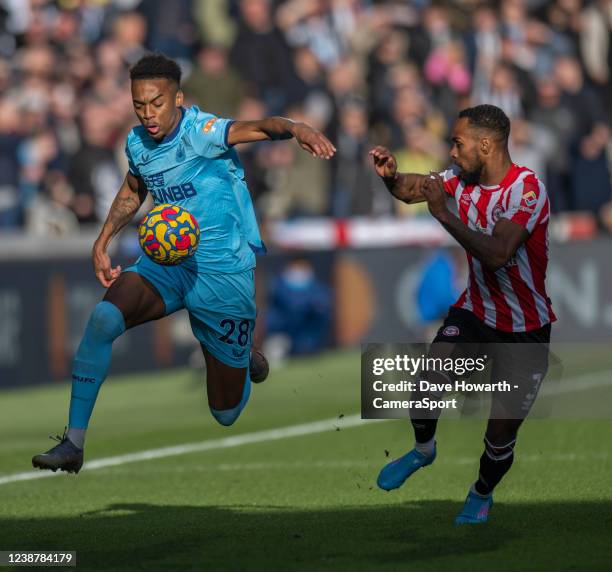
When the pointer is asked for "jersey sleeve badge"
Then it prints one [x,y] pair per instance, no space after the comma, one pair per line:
[209,125]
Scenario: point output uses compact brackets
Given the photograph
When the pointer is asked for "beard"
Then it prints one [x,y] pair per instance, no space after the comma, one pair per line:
[471,177]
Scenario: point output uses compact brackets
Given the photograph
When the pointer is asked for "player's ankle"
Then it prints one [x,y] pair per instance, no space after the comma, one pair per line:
[76,437]
[427,448]
[479,490]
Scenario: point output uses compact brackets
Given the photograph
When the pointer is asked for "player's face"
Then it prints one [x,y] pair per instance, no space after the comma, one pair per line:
[465,151]
[157,103]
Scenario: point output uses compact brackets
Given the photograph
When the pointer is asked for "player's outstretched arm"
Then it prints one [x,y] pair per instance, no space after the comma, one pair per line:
[406,187]
[125,205]
[275,128]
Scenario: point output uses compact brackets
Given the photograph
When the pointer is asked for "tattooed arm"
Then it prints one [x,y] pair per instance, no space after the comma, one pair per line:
[406,187]
[128,200]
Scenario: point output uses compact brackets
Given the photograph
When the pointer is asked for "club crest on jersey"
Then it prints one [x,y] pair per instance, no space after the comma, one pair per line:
[180,153]
[450,331]
[530,198]
[144,157]
[209,124]
[498,211]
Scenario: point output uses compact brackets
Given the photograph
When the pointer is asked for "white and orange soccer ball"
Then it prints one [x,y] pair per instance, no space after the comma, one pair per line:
[169,234]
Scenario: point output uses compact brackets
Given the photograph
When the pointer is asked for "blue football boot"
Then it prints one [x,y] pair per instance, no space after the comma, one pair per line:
[393,475]
[475,510]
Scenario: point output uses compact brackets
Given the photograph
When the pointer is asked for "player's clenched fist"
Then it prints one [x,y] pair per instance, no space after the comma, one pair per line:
[105,273]
[384,162]
[433,191]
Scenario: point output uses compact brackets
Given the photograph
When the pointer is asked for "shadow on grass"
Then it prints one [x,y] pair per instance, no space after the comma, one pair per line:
[417,535]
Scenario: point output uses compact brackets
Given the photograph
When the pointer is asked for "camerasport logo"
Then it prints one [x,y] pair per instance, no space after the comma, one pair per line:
[450,331]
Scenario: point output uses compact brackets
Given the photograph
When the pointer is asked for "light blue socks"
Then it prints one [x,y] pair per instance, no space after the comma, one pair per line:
[90,366]
[227,417]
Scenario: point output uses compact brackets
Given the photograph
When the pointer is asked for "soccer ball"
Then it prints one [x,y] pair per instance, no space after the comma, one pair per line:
[169,234]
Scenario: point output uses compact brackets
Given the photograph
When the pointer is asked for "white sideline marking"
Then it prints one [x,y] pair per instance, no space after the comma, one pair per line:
[209,445]
[583,382]
[353,464]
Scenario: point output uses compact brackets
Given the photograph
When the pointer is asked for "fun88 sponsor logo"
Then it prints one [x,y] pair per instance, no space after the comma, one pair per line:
[166,194]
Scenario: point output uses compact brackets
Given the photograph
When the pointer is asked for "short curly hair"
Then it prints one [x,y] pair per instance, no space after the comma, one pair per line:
[488,117]
[154,65]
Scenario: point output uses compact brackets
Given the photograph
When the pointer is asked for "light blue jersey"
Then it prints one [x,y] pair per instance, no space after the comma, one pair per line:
[196,168]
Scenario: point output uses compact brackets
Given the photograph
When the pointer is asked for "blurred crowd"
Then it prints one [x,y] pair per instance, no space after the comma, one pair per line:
[364,71]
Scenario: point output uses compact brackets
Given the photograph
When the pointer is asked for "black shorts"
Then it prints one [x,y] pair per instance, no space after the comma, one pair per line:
[520,358]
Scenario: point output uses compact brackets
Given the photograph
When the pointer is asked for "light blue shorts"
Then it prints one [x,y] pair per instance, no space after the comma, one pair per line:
[221,306]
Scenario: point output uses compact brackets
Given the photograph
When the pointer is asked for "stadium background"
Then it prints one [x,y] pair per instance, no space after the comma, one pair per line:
[365,72]
[346,261]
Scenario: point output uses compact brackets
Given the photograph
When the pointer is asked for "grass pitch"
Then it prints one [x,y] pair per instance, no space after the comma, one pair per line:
[307,502]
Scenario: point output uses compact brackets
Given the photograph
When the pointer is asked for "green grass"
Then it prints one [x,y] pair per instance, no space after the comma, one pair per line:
[307,503]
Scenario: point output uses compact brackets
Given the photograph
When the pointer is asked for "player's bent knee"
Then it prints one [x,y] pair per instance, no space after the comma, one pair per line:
[106,321]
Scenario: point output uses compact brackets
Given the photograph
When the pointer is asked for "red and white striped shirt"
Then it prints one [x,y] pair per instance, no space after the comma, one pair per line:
[512,299]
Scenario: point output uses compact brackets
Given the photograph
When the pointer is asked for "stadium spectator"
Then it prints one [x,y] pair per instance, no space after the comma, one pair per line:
[432,30]
[440,284]
[531,146]
[447,72]
[500,89]
[422,152]
[215,23]
[170,28]
[93,171]
[129,32]
[253,108]
[411,107]
[596,46]
[10,209]
[590,175]
[261,55]
[390,53]
[50,212]
[356,192]
[309,85]
[297,183]
[344,82]
[550,113]
[212,84]
[483,42]
[298,310]
[323,27]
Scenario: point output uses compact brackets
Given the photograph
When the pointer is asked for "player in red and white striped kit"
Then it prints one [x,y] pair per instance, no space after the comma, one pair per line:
[499,212]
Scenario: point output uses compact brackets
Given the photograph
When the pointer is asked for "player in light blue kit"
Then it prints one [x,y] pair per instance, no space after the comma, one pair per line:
[181,156]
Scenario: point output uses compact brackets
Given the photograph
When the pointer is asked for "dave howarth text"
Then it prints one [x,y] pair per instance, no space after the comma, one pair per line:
[438,388]
[411,365]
